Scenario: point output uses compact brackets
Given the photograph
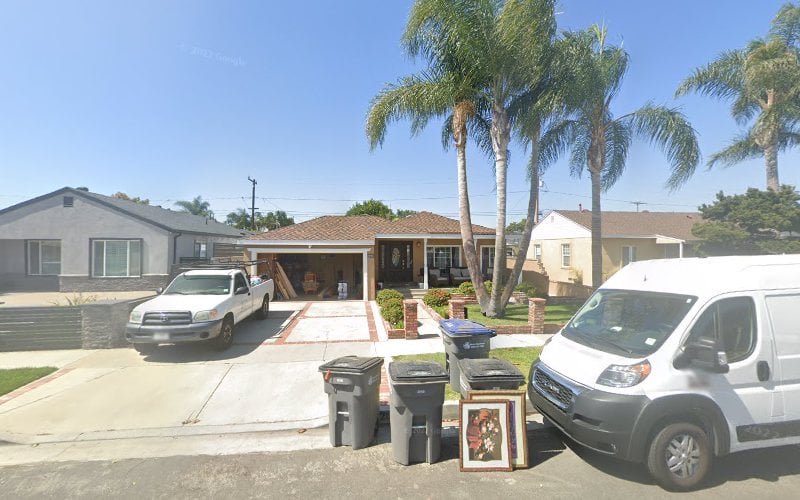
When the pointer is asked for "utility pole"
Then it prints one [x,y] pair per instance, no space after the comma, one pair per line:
[253,204]
[637,203]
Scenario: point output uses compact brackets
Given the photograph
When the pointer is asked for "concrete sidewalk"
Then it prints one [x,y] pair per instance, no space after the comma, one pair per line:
[267,382]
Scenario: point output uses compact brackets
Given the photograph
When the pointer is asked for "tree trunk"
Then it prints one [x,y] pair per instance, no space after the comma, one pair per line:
[460,115]
[533,209]
[771,158]
[596,164]
[501,135]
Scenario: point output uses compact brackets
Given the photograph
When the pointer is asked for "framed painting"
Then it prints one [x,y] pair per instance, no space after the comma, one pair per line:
[517,426]
[484,437]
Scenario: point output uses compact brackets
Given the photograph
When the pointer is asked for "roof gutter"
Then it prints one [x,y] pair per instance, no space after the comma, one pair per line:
[175,247]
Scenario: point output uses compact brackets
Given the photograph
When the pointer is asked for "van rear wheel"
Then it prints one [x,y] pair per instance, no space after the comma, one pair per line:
[680,456]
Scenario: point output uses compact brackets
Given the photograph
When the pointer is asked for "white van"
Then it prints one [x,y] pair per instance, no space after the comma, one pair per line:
[672,362]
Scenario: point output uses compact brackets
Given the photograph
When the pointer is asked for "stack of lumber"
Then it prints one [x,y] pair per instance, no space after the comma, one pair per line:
[282,282]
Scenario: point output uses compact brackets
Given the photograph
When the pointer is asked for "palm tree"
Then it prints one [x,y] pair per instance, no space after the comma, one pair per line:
[196,207]
[763,81]
[599,142]
[481,55]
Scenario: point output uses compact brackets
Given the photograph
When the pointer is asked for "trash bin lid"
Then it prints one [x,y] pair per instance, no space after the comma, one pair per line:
[417,371]
[490,369]
[455,327]
[351,364]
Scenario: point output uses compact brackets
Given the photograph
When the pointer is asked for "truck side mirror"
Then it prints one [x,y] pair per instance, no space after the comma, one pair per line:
[704,354]
[241,290]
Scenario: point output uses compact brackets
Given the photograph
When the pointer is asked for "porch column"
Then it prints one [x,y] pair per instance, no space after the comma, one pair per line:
[680,250]
[365,278]
[253,267]
[425,261]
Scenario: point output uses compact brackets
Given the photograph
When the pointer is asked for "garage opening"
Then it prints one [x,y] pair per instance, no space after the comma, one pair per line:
[323,276]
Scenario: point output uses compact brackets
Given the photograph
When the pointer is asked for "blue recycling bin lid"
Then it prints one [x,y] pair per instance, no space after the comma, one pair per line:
[463,327]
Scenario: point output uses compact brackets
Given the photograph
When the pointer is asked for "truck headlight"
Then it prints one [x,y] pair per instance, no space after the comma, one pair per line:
[624,375]
[135,317]
[209,315]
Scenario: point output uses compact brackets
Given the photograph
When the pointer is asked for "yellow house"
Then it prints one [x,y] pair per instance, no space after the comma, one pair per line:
[562,242]
[368,252]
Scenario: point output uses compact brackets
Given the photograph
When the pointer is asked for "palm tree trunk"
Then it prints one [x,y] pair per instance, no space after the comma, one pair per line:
[501,136]
[596,163]
[533,208]
[771,158]
[460,115]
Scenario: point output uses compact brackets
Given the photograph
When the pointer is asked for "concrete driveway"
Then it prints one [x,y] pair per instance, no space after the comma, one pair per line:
[268,381]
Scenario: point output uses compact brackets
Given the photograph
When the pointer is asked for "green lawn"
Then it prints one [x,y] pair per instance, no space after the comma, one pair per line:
[517,314]
[521,357]
[17,377]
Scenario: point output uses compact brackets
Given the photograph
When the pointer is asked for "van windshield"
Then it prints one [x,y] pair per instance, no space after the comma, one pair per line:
[630,323]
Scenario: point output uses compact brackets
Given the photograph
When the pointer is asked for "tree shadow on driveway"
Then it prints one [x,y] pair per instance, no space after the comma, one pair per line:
[248,336]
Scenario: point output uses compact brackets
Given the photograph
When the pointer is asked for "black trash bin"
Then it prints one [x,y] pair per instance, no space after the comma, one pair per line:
[415,413]
[352,384]
[488,374]
[463,339]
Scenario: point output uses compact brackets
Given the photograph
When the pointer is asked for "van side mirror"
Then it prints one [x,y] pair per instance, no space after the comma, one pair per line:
[704,354]
[159,290]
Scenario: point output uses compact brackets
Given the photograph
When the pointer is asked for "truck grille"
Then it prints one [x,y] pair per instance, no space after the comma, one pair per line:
[557,393]
[167,318]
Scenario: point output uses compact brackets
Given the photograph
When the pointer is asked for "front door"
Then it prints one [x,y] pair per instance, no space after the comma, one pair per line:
[397,264]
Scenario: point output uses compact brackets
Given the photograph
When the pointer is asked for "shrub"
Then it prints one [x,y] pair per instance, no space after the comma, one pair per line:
[488,285]
[467,288]
[393,312]
[385,295]
[436,297]
[526,288]
[442,311]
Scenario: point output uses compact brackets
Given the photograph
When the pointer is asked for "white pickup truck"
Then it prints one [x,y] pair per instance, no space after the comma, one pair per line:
[199,306]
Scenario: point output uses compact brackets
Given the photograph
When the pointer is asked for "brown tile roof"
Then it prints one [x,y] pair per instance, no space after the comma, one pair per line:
[430,223]
[331,227]
[621,224]
[365,227]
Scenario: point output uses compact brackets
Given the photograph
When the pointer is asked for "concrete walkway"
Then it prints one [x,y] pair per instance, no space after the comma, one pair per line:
[268,381]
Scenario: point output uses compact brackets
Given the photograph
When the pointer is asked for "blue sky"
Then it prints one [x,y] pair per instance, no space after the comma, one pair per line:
[170,100]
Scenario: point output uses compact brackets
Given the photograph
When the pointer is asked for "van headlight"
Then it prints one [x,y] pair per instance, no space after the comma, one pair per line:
[209,315]
[135,317]
[624,375]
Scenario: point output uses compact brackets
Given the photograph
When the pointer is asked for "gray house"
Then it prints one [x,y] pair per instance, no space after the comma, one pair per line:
[76,241]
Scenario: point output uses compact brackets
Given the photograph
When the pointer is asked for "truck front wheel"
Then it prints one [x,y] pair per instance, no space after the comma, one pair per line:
[145,348]
[679,456]
[225,337]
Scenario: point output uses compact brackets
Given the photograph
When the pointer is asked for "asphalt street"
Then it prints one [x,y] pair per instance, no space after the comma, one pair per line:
[558,470]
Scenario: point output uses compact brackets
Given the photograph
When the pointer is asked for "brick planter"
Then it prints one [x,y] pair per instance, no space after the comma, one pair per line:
[535,323]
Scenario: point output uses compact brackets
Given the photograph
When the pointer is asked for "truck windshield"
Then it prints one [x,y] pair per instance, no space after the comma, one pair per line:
[631,323]
[199,285]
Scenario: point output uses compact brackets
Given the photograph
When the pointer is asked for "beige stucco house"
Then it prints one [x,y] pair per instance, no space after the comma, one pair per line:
[562,242]
[366,252]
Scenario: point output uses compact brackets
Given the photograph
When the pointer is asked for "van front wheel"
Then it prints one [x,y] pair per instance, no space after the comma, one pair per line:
[679,456]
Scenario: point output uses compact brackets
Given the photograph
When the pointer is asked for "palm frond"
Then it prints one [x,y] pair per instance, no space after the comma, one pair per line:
[671,131]
[416,98]
[786,24]
[618,141]
[743,148]
[556,141]
[722,78]
[579,153]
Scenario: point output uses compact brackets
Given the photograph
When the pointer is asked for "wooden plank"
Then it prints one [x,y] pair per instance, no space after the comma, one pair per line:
[286,283]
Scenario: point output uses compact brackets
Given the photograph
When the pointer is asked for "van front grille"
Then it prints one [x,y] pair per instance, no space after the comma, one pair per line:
[558,394]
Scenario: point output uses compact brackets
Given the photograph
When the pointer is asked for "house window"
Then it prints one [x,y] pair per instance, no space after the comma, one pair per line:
[201,249]
[566,254]
[116,258]
[628,255]
[487,260]
[537,251]
[443,257]
[44,257]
